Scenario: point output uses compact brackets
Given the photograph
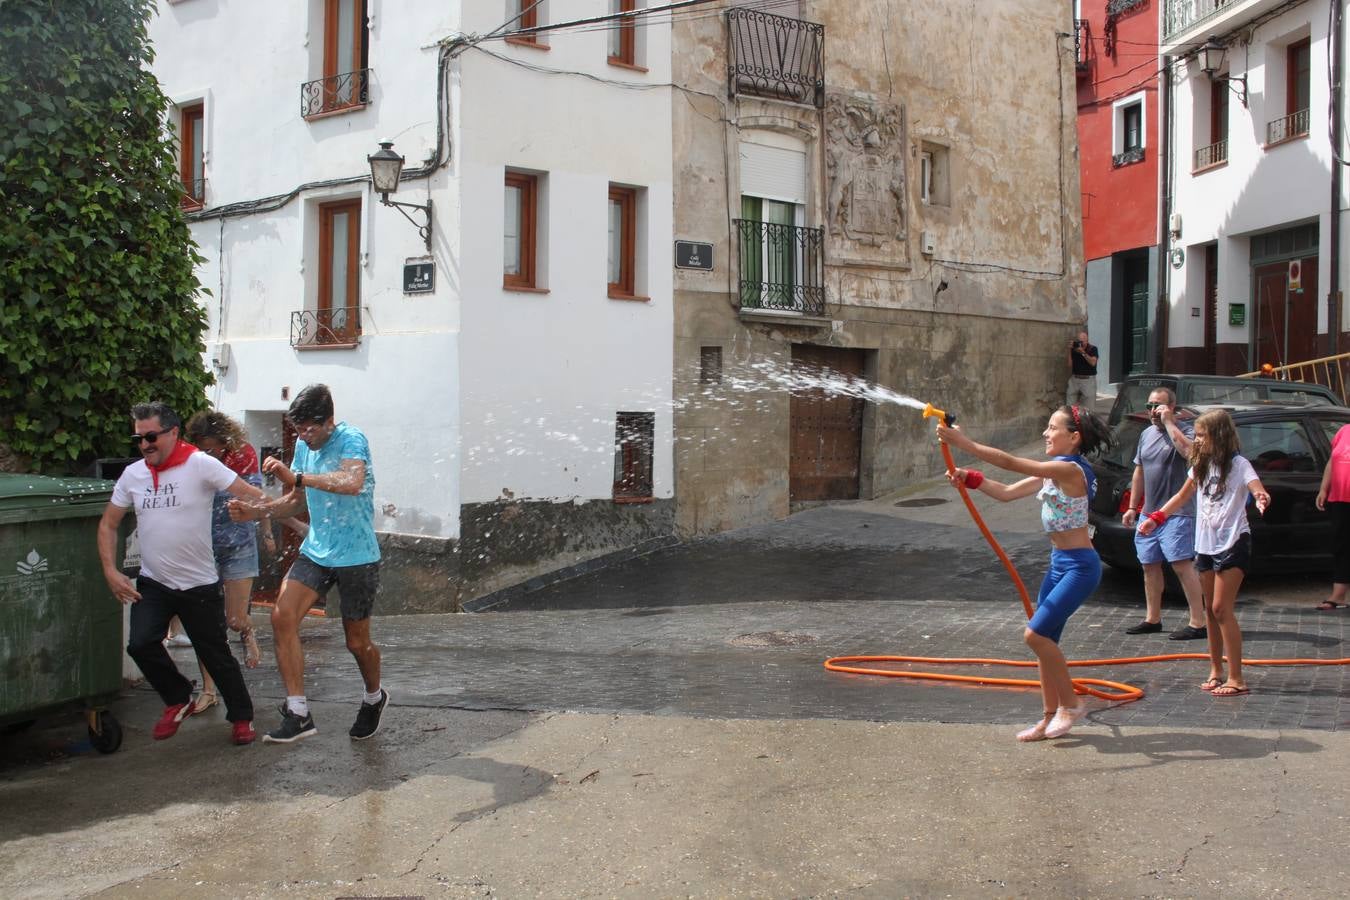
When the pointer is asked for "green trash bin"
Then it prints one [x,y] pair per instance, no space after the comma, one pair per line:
[60,627]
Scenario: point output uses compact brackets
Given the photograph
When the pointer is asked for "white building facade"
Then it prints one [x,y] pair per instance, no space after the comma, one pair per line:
[512,368]
[1255,262]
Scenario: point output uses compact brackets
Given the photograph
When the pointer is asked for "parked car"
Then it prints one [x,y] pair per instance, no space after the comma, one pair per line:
[1217,390]
[1287,445]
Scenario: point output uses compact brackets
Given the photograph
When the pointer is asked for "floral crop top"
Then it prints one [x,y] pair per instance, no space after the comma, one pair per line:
[1059,511]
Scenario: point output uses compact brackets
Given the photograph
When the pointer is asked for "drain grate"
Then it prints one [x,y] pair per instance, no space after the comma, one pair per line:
[772,639]
[922,501]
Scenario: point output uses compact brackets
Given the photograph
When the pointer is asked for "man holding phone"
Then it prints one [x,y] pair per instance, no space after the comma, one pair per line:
[1083,380]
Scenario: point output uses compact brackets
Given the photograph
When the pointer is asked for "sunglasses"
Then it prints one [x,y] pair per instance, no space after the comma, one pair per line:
[1152,406]
[150,437]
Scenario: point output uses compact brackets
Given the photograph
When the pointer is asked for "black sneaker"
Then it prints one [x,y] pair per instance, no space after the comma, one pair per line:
[292,728]
[368,718]
[1144,628]
[1189,633]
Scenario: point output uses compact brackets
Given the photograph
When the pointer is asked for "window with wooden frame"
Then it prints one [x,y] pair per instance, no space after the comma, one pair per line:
[622,242]
[528,11]
[520,226]
[338,319]
[623,36]
[1298,84]
[191,151]
[346,54]
[634,440]
[1218,111]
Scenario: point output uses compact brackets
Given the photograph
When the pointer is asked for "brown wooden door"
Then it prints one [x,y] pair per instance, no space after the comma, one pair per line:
[826,448]
[1286,322]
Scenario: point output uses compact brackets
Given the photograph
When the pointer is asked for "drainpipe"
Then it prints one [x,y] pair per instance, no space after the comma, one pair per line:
[1164,234]
[1337,129]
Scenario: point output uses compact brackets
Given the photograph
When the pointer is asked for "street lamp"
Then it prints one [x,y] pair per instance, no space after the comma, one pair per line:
[386,167]
[1211,61]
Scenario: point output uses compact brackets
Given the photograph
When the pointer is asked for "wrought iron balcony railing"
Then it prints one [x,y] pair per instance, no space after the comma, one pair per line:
[194,193]
[337,92]
[1288,127]
[1133,155]
[782,267]
[1181,15]
[1207,157]
[775,56]
[1082,43]
[326,327]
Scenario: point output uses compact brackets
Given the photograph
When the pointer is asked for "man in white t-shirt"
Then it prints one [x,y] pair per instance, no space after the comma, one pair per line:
[171,489]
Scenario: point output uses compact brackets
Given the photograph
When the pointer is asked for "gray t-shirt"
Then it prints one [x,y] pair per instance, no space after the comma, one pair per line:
[1164,468]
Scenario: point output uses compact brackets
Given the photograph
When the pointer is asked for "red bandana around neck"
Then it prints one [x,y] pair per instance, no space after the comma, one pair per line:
[181,451]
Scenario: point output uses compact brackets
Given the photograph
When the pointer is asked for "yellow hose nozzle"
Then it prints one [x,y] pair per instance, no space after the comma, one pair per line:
[946,418]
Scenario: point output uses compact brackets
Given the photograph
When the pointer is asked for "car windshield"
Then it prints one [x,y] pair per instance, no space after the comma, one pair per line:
[1126,435]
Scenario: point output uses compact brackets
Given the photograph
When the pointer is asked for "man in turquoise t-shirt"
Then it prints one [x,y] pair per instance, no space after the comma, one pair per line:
[333,477]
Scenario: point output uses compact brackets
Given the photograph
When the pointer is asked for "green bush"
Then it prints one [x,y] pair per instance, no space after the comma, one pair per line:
[98,298]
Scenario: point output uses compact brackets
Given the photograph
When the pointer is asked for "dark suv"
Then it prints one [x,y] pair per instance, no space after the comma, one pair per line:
[1288,447]
[1218,390]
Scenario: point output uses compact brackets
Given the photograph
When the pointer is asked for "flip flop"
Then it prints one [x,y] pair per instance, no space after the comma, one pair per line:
[1210,684]
[1229,690]
[1329,605]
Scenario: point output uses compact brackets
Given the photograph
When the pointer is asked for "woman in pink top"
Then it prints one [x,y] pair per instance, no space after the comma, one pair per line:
[1335,496]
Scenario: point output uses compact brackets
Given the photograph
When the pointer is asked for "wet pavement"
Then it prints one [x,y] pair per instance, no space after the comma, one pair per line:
[664,727]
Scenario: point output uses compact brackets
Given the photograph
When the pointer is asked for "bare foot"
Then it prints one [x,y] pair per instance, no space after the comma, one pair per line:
[252,653]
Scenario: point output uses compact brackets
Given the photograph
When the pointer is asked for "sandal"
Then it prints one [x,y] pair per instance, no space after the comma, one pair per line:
[205,700]
[1209,684]
[1329,605]
[1230,690]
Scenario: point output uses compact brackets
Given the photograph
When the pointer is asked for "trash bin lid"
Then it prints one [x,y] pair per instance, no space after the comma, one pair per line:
[27,492]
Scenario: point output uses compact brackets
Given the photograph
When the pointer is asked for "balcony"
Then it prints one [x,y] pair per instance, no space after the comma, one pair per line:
[782,267]
[335,94]
[1286,128]
[1082,43]
[1187,22]
[336,328]
[1216,154]
[775,56]
[194,194]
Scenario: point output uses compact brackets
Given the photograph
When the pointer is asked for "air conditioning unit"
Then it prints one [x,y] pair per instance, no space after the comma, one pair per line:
[927,244]
[220,357]
[1174,224]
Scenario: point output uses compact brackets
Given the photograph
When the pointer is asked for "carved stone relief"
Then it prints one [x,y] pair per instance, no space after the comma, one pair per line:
[866,210]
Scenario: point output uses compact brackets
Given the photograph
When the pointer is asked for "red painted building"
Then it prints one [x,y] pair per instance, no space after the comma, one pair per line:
[1117,64]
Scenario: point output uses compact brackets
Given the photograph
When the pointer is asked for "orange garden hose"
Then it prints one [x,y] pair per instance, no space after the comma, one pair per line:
[1097,687]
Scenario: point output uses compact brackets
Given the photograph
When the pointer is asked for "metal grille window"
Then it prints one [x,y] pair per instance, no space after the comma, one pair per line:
[192,157]
[775,56]
[634,440]
[782,264]
[336,318]
[346,51]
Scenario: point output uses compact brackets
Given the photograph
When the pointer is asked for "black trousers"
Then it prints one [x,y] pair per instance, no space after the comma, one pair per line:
[202,612]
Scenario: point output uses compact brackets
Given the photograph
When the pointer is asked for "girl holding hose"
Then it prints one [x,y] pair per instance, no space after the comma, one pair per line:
[1065,484]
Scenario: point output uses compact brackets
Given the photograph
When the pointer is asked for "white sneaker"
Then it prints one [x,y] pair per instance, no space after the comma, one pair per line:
[178,640]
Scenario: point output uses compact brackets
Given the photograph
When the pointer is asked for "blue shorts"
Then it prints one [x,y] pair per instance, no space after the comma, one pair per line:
[235,561]
[1172,541]
[1073,575]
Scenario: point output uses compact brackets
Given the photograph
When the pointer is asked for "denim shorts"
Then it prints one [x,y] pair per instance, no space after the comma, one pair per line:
[1172,541]
[356,585]
[1238,556]
[235,561]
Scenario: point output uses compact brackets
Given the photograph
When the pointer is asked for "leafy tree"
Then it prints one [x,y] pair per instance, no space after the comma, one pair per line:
[98,297]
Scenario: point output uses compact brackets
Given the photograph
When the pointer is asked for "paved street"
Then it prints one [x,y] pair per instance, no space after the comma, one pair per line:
[665,728]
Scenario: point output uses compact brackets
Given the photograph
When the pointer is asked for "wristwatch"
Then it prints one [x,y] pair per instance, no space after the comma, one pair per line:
[299,479]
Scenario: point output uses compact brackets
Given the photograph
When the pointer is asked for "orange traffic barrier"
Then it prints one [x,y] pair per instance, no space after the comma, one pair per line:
[1115,691]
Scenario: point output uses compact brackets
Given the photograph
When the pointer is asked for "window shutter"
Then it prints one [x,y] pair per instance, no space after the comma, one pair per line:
[774,173]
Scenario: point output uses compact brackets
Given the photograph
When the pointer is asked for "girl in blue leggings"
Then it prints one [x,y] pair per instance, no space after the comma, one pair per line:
[1065,485]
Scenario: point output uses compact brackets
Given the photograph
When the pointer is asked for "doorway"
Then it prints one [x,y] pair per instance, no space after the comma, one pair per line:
[825,451]
[1286,320]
